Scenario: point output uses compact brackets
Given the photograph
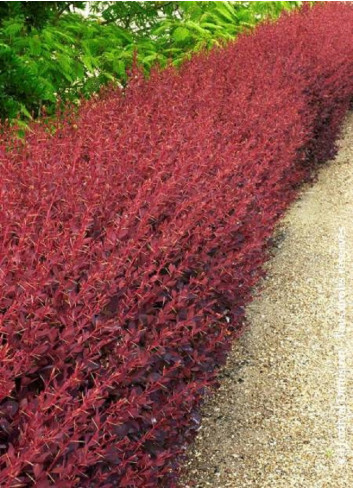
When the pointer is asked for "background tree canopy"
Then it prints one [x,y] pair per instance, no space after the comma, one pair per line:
[66,50]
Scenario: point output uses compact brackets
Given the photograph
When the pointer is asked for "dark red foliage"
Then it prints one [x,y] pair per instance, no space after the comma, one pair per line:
[131,239]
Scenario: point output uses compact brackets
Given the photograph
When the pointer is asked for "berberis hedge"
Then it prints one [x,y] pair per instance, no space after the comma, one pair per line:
[132,237]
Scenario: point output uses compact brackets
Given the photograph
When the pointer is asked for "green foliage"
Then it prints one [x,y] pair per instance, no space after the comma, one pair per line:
[204,24]
[50,51]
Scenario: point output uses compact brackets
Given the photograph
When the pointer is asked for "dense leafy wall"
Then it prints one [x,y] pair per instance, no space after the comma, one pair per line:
[131,238]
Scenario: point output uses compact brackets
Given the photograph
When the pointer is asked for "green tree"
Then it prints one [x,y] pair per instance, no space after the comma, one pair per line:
[51,51]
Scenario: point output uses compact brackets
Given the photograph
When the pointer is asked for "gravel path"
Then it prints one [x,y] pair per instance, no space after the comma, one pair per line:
[282,417]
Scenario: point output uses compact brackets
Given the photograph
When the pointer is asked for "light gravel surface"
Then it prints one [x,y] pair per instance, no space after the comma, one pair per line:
[283,414]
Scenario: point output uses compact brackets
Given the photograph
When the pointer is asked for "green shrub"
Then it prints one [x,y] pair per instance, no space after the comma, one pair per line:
[51,51]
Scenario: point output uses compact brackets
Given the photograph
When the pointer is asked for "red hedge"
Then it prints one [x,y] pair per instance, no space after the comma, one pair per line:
[130,241]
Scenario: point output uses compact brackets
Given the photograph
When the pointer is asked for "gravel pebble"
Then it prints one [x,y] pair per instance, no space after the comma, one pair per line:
[276,419]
